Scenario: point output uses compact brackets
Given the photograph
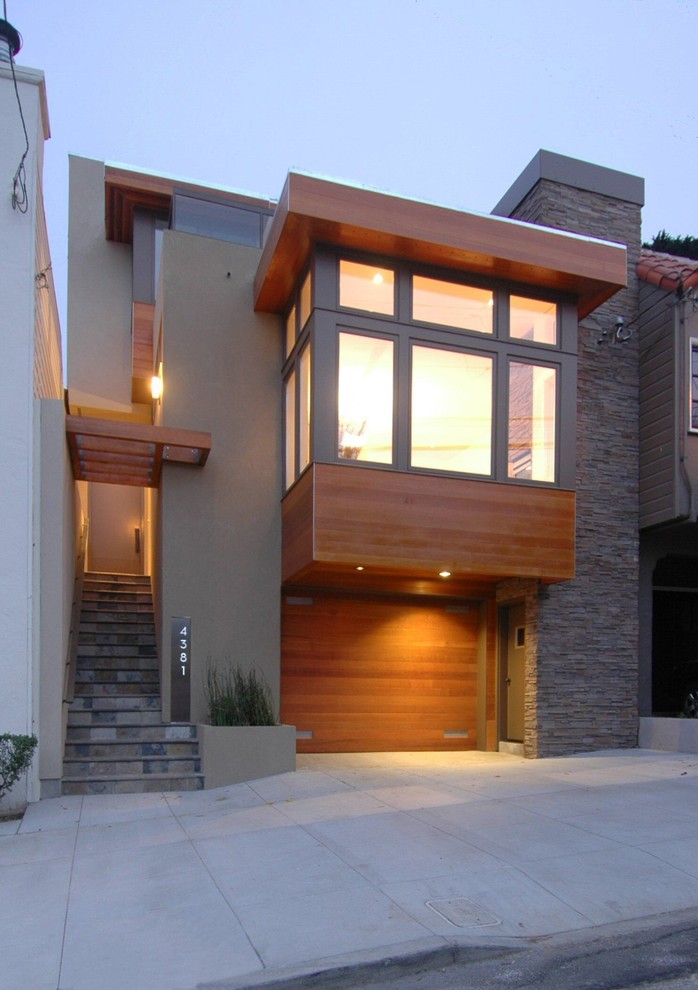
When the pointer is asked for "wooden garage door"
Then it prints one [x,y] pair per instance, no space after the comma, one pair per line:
[365,675]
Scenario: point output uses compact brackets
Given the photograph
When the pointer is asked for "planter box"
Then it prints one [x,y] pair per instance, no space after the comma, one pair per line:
[233,754]
[675,735]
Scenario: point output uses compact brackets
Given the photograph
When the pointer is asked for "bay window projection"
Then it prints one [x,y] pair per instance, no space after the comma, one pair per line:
[533,319]
[290,411]
[304,409]
[365,398]
[367,287]
[452,305]
[532,422]
[451,411]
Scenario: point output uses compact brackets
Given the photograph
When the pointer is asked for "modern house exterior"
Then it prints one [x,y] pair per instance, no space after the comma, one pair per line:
[400,514]
[402,459]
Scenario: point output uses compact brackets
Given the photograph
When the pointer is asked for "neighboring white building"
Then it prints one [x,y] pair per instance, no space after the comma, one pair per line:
[36,542]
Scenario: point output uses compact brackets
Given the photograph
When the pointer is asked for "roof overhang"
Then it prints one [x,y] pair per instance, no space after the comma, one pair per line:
[121,453]
[313,210]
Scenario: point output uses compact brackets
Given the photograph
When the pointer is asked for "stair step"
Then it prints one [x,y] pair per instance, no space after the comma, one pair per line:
[129,732]
[116,664]
[132,749]
[128,684]
[116,703]
[133,784]
[100,717]
[137,638]
[93,650]
[106,766]
[97,675]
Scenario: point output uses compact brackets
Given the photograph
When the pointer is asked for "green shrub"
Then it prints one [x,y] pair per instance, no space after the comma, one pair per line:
[16,754]
[235,697]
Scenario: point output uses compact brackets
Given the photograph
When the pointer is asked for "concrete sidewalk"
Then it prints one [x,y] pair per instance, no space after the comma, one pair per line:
[351,859]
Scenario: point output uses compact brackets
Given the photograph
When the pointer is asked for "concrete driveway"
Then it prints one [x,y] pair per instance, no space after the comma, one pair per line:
[352,859]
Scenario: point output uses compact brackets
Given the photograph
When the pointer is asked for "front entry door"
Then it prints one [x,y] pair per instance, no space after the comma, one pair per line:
[513,670]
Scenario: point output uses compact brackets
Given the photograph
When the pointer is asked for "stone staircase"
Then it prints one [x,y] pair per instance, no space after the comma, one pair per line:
[116,741]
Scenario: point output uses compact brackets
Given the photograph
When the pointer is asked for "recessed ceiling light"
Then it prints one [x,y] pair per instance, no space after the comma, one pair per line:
[444,574]
[359,568]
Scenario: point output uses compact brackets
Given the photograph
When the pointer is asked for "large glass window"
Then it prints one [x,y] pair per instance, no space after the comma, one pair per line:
[290,410]
[532,422]
[365,398]
[694,384]
[367,287]
[451,304]
[305,300]
[451,411]
[533,319]
[218,220]
[304,409]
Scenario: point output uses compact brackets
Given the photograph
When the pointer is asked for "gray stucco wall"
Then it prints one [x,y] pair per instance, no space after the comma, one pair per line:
[582,693]
[55,573]
[221,529]
[99,293]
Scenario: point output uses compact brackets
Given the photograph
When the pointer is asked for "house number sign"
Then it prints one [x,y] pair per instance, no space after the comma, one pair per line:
[180,660]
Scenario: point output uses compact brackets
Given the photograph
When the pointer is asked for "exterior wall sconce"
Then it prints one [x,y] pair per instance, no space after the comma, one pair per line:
[619,333]
[156,385]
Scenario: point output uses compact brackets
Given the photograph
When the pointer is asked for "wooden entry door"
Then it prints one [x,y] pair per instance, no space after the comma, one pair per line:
[362,675]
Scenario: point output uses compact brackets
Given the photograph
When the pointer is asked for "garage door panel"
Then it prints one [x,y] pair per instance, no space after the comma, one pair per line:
[362,675]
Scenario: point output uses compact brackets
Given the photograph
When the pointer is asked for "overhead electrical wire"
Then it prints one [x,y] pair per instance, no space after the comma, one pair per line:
[20,200]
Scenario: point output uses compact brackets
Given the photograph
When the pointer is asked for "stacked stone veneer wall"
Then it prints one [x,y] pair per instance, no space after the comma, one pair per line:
[582,657]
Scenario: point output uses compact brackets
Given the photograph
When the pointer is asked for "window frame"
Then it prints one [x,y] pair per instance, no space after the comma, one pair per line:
[692,384]
[327,320]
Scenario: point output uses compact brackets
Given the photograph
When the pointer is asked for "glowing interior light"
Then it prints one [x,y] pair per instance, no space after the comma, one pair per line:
[378,279]
[156,387]
[444,574]
[359,568]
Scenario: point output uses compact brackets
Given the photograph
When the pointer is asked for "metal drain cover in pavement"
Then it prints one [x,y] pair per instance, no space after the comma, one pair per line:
[463,912]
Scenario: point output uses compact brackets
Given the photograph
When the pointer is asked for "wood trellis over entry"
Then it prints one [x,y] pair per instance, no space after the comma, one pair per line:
[121,453]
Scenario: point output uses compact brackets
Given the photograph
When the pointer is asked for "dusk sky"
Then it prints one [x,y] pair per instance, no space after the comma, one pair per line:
[443,100]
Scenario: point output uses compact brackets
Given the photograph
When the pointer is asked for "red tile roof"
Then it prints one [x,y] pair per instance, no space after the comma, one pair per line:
[666,270]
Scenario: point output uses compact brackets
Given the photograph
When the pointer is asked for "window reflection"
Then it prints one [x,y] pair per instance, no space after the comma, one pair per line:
[290,405]
[452,305]
[533,319]
[451,411]
[290,330]
[366,287]
[305,300]
[304,409]
[532,414]
[365,398]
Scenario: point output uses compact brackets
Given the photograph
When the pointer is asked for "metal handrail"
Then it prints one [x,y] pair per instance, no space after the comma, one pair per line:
[73,635]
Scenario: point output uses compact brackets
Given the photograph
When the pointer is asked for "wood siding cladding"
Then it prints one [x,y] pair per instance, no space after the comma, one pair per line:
[659,396]
[142,351]
[313,210]
[401,526]
[365,675]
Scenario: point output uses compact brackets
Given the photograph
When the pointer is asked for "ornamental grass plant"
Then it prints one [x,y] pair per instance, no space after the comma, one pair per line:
[238,697]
